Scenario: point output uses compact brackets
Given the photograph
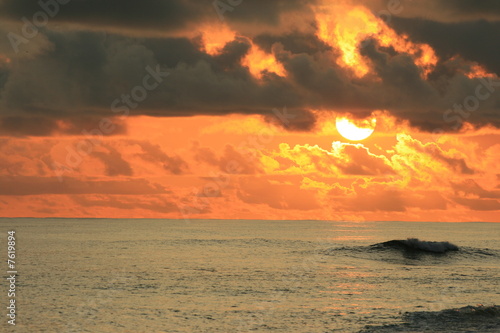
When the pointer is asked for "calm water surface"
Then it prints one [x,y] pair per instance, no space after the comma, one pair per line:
[103,275]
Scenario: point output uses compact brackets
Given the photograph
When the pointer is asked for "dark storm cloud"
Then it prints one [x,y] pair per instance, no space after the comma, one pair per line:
[19,126]
[71,79]
[295,119]
[265,11]
[84,72]
[161,15]
[295,42]
[400,74]
[147,14]
[474,6]
[468,9]
[475,41]
[437,10]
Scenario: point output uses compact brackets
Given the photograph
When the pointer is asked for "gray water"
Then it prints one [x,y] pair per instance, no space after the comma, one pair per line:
[105,275]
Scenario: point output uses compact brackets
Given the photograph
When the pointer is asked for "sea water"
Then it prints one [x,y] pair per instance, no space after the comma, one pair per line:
[115,275]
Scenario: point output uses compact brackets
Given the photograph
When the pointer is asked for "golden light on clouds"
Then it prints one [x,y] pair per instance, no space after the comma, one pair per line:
[478,71]
[215,37]
[235,117]
[347,27]
[259,61]
[285,175]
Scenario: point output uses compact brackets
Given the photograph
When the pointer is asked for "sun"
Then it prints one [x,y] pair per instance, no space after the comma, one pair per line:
[355,130]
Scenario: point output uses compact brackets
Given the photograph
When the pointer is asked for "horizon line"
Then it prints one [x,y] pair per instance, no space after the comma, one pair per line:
[240,219]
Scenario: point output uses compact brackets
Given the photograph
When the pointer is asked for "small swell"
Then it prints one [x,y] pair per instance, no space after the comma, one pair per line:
[478,318]
[416,245]
[465,313]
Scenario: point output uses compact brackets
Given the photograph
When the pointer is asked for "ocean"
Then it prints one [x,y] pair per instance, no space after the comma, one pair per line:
[143,275]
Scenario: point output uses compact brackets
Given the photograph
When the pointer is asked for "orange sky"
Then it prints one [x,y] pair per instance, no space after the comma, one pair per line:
[243,126]
[243,167]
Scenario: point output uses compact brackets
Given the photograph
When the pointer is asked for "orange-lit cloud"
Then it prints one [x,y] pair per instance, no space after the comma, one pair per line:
[389,175]
[259,62]
[347,27]
[215,37]
[236,118]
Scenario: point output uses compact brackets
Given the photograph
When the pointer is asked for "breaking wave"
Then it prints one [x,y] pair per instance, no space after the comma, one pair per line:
[414,244]
[413,251]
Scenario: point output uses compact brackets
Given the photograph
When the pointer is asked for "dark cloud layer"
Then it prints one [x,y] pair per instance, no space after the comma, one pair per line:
[475,41]
[153,15]
[149,14]
[71,79]
[438,10]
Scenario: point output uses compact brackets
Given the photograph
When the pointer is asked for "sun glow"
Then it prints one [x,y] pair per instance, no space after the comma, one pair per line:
[355,130]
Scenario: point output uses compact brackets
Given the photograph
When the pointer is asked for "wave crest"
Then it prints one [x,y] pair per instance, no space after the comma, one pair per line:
[414,244]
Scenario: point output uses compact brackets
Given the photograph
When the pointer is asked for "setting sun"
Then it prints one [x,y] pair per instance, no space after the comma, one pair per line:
[355,130]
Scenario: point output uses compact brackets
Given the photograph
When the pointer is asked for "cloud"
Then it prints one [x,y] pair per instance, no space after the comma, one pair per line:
[478,204]
[114,162]
[436,10]
[431,153]
[153,153]
[152,203]
[30,185]
[49,126]
[349,177]
[343,159]
[474,41]
[74,76]
[470,188]
[276,195]
[150,16]
[241,160]
[388,176]
[375,199]
[357,160]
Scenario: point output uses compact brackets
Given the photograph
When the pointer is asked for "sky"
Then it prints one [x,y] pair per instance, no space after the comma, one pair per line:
[231,109]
